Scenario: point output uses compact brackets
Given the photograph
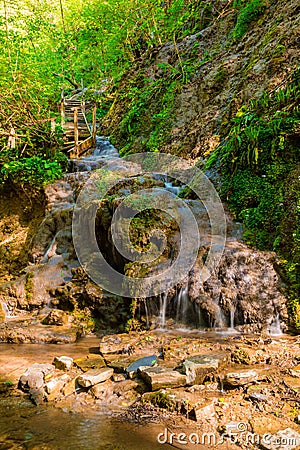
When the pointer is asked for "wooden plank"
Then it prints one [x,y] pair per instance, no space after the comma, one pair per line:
[62,113]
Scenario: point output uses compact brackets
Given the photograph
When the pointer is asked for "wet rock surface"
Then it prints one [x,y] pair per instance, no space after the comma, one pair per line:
[244,292]
[197,367]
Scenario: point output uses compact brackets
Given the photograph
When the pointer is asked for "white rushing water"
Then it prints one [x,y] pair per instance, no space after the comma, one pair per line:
[163,298]
[8,314]
[275,328]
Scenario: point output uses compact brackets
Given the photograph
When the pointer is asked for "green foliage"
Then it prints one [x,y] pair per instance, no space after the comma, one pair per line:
[160,399]
[29,285]
[30,172]
[248,12]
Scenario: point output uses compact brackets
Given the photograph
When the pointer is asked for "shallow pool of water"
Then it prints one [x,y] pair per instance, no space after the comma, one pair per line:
[24,426]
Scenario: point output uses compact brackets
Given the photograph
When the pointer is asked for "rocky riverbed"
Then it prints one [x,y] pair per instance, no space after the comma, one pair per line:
[236,388]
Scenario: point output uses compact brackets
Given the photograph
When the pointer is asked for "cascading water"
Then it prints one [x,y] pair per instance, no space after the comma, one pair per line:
[50,249]
[8,314]
[218,321]
[182,304]
[275,327]
[193,306]
[232,312]
[163,299]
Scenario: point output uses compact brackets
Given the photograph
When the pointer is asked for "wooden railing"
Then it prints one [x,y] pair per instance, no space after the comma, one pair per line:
[79,136]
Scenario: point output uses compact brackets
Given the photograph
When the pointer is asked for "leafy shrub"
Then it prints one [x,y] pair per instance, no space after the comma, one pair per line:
[33,171]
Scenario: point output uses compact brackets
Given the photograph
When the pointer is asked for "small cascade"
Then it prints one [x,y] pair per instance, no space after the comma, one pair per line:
[163,298]
[201,322]
[174,189]
[275,328]
[104,148]
[219,320]
[147,314]
[50,249]
[182,304]
[232,312]
[8,314]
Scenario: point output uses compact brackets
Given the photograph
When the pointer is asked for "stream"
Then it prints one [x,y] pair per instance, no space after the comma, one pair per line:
[235,302]
[26,426]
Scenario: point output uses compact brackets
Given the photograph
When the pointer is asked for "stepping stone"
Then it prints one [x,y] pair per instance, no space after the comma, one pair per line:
[90,362]
[63,363]
[198,366]
[240,378]
[147,361]
[94,376]
[159,377]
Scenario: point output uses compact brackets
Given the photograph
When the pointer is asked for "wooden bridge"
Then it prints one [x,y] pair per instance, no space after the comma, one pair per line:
[79,136]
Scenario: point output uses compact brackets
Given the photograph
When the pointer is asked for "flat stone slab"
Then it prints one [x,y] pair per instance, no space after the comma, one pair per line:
[147,361]
[198,366]
[160,377]
[240,378]
[122,343]
[94,376]
[63,363]
[90,362]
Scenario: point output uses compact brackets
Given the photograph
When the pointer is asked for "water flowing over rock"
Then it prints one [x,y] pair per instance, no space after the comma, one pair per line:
[244,293]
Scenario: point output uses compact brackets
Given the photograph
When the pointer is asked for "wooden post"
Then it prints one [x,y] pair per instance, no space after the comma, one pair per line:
[62,113]
[94,125]
[76,135]
[12,139]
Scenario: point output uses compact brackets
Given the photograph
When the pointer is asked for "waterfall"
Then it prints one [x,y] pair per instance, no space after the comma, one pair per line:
[49,249]
[219,320]
[174,189]
[6,310]
[200,322]
[232,311]
[275,328]
[104,148]
[182,303]
[162,310]
[147,314]
[169,186]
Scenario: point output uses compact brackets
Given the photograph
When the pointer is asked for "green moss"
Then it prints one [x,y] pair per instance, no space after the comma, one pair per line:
[29,285]
[221,75]
[248,12]
[160,399]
